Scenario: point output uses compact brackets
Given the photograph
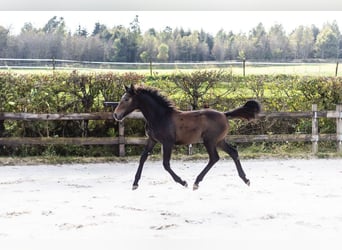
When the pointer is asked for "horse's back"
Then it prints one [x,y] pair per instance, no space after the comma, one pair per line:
[194,126]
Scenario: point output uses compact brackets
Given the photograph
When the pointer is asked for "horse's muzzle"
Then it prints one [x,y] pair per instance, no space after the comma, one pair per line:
[117,117]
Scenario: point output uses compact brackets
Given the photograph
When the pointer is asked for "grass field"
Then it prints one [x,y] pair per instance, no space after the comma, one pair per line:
[313,69]
[302,69]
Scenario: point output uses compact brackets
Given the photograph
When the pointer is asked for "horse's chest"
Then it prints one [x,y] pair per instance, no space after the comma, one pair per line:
[160,133]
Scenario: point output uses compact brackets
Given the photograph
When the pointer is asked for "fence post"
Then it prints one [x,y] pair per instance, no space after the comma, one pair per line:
[244,67]
[314,137]
[53,63]
[190,151]
[121,139]
[2,127]
[150,67]
[339,128]
[336,71]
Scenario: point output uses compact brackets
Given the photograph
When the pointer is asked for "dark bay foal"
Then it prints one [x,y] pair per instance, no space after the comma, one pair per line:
[169,126]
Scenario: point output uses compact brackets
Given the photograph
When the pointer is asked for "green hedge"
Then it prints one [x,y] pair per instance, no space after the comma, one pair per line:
[85,92]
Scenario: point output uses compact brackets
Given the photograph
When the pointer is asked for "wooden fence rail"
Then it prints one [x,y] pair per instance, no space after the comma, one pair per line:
[121,140]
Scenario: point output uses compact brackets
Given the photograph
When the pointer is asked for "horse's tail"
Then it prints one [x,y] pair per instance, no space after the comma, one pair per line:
[248,111]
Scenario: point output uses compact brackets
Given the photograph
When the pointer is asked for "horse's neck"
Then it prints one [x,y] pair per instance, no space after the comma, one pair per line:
[152,111]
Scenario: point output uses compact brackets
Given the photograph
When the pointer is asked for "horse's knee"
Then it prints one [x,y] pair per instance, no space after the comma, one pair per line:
[233,152]
[215,159]
[143,157]
[166,165]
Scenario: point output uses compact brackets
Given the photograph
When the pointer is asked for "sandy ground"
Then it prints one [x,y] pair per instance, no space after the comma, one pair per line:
[289,203]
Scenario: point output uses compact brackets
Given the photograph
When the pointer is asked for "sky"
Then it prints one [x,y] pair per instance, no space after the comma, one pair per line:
[209,21]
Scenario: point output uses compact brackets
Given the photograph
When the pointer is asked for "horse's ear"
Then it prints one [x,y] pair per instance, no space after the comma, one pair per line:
[133,89]
[130,90]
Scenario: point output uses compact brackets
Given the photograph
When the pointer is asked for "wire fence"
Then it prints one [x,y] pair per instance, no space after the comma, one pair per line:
[14,63]
[242,67]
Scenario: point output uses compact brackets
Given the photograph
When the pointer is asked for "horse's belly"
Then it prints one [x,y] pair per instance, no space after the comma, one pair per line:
[188,135]
[193,127]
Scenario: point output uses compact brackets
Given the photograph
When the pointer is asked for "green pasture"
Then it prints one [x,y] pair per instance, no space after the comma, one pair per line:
[312,69]
[301,69]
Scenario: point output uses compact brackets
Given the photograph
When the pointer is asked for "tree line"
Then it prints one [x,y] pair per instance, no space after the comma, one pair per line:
[130,44]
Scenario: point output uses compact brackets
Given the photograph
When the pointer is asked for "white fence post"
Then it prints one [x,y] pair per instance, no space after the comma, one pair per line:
[314,137]
[339,128]
[122,139]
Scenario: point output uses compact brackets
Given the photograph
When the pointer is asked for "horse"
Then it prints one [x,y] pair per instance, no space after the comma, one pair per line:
[169,126]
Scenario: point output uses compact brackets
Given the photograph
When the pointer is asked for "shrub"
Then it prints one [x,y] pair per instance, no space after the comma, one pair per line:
[85,92]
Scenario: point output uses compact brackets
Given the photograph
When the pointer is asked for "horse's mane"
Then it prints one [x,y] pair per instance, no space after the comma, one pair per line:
[157,96]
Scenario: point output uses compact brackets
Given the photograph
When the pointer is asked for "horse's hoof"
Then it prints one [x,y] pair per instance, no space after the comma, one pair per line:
[135,187]
[195,187]
[248,182]
[185,184]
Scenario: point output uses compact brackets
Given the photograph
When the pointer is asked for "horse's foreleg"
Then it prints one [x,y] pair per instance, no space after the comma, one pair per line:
[213,158]
[147,150]
[235,156]
[166,163]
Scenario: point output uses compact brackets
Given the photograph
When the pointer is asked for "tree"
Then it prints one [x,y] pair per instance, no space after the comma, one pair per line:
[81,32]
[55,33]
[207,38]
[31,43]
[28,27]
[219,49]
[133,40]
[163,52]
[241,47]
[328,41]
[302,42]
[188,46]
[152,32]
[93,49]
[279,43]
[3,41]
[55,25]
[120,46]
[173,53]
[128,44]
[144,56]
[74,46]
[166,35]
[101,31]
[148,48]
[135,25]
[202,51]
[260,45]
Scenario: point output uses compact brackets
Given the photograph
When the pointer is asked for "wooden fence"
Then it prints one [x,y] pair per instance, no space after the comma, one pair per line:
[122,140]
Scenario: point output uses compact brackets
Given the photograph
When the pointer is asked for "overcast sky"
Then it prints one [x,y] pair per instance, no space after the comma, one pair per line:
[209,21]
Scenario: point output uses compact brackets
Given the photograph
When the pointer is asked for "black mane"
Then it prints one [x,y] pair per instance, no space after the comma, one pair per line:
[159,98]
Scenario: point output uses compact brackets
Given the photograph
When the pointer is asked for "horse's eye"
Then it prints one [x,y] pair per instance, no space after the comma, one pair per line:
[126,100]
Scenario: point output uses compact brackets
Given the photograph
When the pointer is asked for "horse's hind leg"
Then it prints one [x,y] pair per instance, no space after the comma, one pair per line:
[147,150]
[166,163]
[213,158]
[235,155]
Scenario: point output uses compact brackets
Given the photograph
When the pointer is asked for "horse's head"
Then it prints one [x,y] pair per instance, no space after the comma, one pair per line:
[127,104]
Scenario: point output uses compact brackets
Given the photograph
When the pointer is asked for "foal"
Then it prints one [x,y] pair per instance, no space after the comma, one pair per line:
[169,126]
